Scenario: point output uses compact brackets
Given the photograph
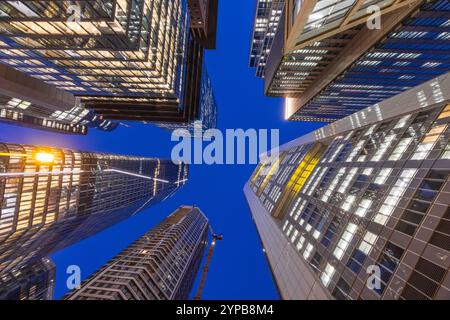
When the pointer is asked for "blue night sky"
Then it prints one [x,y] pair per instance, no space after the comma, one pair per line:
[238,269]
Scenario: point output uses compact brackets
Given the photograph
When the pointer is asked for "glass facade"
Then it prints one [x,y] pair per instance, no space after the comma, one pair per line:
[131,48]
[373,192]
[46,206]
[405,58]
[206,111]
[161,265]
[75,121]
[267,18]
[130,60]
[31,282]
[331,59]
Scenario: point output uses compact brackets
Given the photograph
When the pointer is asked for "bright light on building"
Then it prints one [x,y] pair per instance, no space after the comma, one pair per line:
[44,157]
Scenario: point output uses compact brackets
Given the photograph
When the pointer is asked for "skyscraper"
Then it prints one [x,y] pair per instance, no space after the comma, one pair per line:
[333,58]
[160,265]
[124,60]
[30,282]
[359,209]
[29,102]
[51,198]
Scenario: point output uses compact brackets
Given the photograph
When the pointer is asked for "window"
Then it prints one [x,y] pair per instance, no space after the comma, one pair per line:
[345,240]
[383,176]
[441,236]
[402,122]
[363,206]
[394,196]
[428,142]
[424,281]
[384,147]
[300,243]
[333,185]
[331,231]
[355,151]
[307,253]
[327,274]
[388,262]
[342,290]
[315,262]
[360,253]
[347,180]
[421,202]
[348,202]
[400,149]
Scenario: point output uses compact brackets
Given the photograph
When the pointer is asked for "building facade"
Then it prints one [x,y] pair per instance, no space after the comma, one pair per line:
[333,58]
[51,198]
[27,101]
[31,282]
[359,209]
[128,60]
[161,265]
[267,18]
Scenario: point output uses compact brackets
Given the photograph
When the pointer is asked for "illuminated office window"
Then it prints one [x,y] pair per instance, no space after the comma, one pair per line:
[394,196]
[345,240]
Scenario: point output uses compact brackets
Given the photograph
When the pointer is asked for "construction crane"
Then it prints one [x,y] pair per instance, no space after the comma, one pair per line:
[215,238]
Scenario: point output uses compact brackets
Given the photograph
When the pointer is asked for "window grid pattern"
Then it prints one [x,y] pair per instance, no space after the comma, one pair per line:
[347,211]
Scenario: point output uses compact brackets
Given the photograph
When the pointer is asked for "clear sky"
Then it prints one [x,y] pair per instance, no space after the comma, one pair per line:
[238,269]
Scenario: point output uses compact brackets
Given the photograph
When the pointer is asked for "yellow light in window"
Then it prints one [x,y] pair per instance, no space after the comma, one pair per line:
[44,157]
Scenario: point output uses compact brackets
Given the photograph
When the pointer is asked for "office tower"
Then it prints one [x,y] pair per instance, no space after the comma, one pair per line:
[124,60]
[368,193]
[31,282]
[24,120]
[51,198]
[160,265]
[267,18]
[28,102]
[333,58]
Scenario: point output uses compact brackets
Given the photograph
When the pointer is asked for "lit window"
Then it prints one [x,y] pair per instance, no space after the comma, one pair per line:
[363,207]
[333,184]
[347,180]
[394,196]
[307,253]
[345,240]
[355,151]
[428,142]
[300,243]
[384,146]
[348,202]
[400,149]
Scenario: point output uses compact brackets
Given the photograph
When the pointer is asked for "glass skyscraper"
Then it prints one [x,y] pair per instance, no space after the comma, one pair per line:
[359,209]
[30,282]
[160,265]
[51,198]
[129,60]
[332,58]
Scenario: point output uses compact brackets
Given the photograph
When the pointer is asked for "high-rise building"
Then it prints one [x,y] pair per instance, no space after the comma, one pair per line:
[29,102]
[124,60]
[332,58]
[51,198]
[160,265]
[30,282]
[267,18]
[359,209]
